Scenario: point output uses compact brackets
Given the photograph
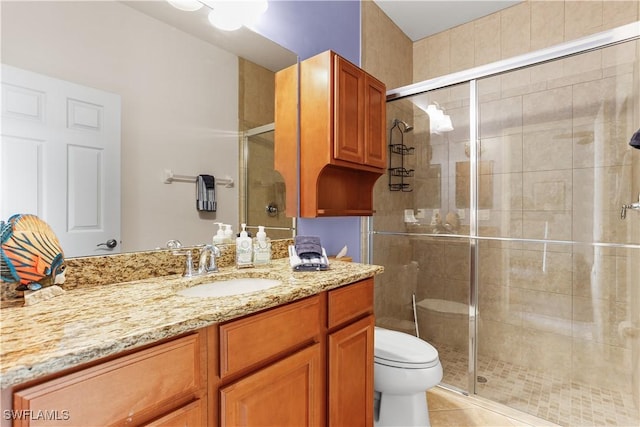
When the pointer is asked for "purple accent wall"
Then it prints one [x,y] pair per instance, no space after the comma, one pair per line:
[309,27]
[334,233]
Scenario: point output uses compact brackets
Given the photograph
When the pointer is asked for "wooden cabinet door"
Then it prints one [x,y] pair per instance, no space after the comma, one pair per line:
[348,141]
[287,393]
[351,375]
[375,147]
[190,415]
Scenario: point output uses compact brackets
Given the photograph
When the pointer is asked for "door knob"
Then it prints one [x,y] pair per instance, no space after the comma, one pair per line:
[111,243]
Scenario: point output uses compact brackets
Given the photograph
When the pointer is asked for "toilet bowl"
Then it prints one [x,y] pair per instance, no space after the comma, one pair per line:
[405,367]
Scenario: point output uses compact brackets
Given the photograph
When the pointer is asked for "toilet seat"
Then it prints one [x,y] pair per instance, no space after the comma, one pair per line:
[400,350]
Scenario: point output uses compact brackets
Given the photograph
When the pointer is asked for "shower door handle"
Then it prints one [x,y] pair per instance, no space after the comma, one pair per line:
[634,206]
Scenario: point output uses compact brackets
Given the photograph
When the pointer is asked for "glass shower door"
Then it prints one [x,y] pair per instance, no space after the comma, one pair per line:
[558,279]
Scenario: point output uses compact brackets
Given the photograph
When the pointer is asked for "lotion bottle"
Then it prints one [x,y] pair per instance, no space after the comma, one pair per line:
[261,248]
[219,238]
[244,251]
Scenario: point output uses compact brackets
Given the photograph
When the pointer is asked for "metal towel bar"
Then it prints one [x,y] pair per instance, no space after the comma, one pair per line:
[170,177]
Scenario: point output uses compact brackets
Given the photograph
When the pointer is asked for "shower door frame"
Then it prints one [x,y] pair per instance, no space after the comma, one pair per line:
[622,34]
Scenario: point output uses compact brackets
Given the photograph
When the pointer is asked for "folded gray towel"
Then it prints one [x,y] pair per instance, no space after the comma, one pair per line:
[308,246]
[635,140]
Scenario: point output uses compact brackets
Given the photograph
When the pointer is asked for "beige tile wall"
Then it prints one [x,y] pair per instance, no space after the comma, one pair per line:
[523,28]
[386,50]
[386,54]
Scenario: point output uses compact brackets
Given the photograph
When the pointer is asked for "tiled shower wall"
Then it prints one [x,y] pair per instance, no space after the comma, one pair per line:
[526,27]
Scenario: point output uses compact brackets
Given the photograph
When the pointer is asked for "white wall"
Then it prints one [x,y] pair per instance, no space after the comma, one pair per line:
[179,105]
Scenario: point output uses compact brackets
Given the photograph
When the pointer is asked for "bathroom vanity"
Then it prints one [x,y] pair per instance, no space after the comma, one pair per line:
[140,354]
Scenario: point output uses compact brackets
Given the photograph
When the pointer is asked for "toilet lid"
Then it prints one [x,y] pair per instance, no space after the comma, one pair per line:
[402,350]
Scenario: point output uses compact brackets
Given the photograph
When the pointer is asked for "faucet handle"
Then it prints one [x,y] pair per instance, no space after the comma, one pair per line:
[188,268]
[174,244]
[635,206]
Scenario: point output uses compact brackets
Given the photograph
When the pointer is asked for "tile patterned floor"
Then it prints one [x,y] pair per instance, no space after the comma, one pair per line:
[566,403]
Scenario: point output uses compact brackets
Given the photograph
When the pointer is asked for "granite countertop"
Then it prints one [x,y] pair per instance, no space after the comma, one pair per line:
[86,324]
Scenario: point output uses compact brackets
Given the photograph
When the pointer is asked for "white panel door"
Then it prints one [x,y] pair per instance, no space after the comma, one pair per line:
[60,159]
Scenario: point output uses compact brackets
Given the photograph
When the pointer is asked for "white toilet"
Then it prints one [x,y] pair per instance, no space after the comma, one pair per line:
[405,367]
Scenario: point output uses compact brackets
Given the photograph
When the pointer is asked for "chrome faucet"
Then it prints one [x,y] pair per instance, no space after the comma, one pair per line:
[204,267]
[212,251]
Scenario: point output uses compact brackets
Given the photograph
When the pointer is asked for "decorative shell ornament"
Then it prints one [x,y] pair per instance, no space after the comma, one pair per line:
[31,255]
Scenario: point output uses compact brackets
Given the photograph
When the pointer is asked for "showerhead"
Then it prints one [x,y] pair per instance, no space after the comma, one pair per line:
[407,127]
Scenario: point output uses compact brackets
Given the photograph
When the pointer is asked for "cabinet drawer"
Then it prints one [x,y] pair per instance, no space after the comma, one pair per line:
[350,302]
[129,389]
[254,339]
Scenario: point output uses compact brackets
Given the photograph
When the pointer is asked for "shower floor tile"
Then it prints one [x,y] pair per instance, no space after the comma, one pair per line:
[569,404]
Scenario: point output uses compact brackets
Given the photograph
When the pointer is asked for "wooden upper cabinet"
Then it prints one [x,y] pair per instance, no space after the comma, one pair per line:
[342,148]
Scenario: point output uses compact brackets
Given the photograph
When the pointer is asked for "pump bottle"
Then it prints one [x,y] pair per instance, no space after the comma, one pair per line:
[218,238]
[244,251]
[261,248]
[228,233]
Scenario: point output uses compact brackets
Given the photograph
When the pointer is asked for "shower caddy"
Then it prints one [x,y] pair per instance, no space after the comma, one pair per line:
[397,174]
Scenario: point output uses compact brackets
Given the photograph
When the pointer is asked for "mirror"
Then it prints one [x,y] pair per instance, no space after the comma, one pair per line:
[183,87]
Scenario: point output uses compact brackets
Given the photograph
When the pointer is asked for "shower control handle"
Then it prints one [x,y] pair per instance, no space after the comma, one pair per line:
[634,206]
[271,209]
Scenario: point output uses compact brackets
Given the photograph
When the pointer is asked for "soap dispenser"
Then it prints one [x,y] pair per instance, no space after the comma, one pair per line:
[218,238]
[261,248]
[244,251]
[228,233]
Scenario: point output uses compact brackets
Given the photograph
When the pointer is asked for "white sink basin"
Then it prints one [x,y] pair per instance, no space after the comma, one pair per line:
[226,288]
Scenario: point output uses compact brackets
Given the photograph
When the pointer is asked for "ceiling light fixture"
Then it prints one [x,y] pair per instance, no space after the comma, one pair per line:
[186,5]
[231,15]
[439,122]
[227,15]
